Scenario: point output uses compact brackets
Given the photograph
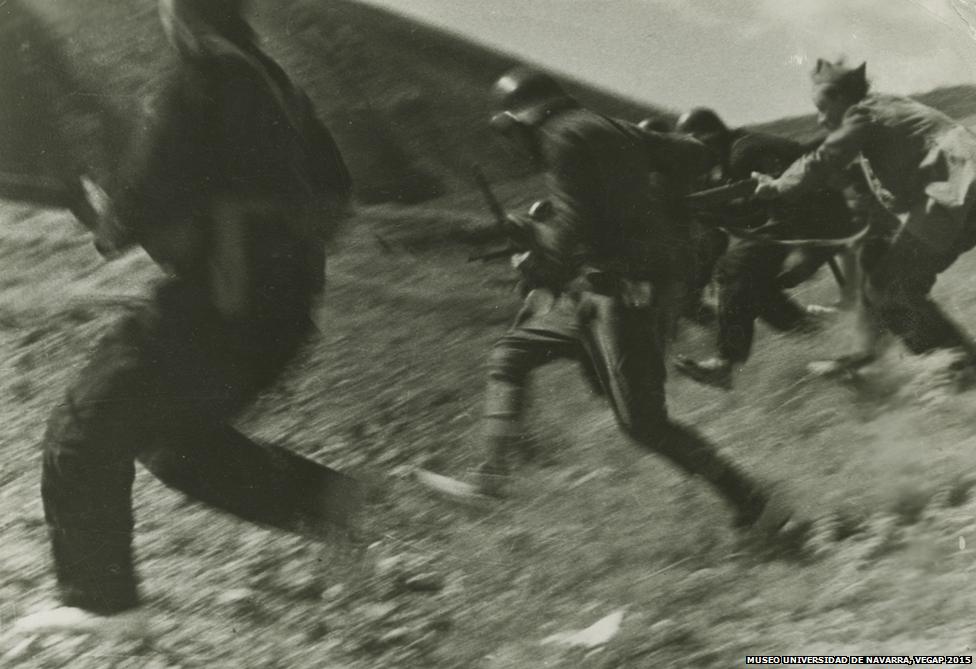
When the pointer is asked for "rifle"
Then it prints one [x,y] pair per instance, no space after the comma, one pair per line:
[712,197]
[82,197]
[517,229]
[498,214]
[40,190]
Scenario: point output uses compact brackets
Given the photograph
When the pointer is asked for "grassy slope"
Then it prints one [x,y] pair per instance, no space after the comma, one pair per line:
[396,380]
[407,103]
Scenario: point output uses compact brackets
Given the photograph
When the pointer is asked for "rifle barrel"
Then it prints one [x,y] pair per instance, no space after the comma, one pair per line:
[722,194]
[497,211]
[36,189]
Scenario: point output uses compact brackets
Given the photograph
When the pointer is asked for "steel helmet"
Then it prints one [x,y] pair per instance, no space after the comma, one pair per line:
[702,122]
[655,124]
[530,96]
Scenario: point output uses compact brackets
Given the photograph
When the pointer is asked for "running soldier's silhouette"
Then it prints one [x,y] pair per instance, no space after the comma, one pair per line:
[235,190]
[601,263]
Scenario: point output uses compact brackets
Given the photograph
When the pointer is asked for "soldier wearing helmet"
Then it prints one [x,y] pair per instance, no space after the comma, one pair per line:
[752,275]
[708,241]
[234,189]
[607,261]
[656,124]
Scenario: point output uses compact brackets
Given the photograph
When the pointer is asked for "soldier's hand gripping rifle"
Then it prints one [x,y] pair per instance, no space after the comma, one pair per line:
[81,196]
[721,195]
[513,229]
[714,197]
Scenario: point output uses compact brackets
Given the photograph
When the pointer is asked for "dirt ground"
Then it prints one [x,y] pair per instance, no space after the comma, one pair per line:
[594,526]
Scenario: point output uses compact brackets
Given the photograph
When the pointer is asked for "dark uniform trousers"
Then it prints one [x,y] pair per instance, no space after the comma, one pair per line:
[747,276]
[623,347]
[159,389]
[899,277]
[708,245]
[747,289]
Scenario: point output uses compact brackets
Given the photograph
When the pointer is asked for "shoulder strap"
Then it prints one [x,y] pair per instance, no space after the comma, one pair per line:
[291,107]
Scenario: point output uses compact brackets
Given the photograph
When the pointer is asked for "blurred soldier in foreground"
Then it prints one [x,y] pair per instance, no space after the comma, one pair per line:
[752,276]
[921,164]
[234,190]
[600,264]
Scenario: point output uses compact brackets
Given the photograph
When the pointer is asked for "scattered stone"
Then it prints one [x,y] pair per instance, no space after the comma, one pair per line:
[334,593]
[597,634]
[306,587]
[396,636]
[663,627]
[240,601]
[379,612]
[428,582]
[402,471]
[389,567]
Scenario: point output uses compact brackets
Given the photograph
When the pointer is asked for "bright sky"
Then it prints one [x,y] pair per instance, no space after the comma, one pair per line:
[749,59]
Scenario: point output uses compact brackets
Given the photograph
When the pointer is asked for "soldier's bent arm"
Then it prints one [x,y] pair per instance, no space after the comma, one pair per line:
[821,167]
[680,156]
[158,178]
[571,181]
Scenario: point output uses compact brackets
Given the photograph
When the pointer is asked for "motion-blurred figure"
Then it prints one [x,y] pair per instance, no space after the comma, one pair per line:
[706,243]
[920,164]
[235,190]
[751,276]
[601,262]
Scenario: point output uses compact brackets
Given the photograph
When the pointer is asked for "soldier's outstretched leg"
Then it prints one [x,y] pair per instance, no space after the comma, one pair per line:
[627,355]
[898,289]
[546,329]
[708,245]
[746,278]
[142,396]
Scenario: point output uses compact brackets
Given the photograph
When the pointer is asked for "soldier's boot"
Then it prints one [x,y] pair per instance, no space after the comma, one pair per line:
[844,365]
[756,506]
[493,473]
[72,620]
[816,312]
[716,372]
[700,312]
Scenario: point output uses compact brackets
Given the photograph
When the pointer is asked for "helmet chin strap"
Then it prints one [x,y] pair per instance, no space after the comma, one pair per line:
[504,122]
[511,126]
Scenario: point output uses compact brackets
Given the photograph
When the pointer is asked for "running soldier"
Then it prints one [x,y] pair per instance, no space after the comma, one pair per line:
[234,190]
[921,164]
[707,241]
[599,266]
[752,276]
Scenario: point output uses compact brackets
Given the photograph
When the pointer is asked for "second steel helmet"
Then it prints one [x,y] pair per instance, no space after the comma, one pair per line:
[529,96]
[702,122]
